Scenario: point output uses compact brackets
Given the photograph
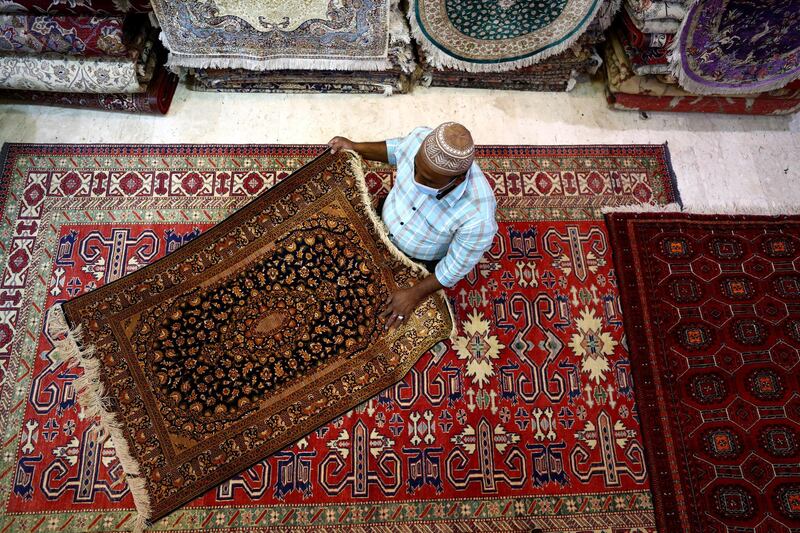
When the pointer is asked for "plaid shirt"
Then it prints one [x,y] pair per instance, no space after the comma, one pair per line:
[457,229]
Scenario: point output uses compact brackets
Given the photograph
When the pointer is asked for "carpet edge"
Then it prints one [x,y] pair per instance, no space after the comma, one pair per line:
[642,382]
[439,58]
[89,388]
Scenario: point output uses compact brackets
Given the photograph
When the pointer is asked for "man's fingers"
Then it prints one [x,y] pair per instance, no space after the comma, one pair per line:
[388,310]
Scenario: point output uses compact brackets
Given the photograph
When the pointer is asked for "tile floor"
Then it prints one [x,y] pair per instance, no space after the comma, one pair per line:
[719,159]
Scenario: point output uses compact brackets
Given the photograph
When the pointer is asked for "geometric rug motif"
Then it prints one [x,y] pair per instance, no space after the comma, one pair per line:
[712,311]
[527,420]
[498,35]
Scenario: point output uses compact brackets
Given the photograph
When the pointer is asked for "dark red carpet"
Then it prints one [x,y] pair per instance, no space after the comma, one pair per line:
[712,314]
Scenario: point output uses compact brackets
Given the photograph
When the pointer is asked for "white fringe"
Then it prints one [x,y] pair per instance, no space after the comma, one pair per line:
[608,11]
[91,395]
[123,5]
[380,229]
[440,60]
[678,70]
[774,209]
[278,63]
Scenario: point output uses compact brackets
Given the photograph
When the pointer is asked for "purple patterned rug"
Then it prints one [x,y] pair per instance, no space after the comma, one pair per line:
[738,46]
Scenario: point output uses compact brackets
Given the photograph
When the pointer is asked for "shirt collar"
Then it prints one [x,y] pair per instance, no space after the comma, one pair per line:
[456,194]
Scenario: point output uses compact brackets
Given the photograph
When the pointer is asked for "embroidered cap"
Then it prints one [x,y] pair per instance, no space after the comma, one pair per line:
[449,149]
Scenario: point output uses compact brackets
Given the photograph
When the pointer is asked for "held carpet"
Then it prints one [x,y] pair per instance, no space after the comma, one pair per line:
[712,312]
[526,420]
[248,338]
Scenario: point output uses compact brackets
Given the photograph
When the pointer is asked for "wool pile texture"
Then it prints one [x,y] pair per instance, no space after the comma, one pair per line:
[509,44]
[717,56]
[712,315]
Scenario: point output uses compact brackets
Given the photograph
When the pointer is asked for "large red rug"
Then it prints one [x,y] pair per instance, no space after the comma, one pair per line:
[712,311]
[526,420]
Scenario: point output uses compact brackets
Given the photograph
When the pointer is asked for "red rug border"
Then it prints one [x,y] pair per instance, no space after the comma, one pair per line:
[10,151]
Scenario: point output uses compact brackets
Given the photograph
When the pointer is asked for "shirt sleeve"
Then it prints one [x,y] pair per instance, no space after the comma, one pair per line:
[466,249]
[392,147]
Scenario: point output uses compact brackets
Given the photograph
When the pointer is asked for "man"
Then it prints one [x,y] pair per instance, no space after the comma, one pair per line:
[440,212]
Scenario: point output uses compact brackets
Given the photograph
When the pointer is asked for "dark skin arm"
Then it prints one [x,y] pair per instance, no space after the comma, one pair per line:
[402,302]
[373,151]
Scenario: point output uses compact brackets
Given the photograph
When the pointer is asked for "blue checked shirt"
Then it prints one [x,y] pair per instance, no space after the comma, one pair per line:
[457,229]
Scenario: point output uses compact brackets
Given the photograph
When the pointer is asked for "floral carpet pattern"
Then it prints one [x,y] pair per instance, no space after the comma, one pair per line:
[526,420]
[296,34]
[729,47]
[712,307]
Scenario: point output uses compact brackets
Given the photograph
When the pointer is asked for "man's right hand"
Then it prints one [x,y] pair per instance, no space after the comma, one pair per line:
[340,143]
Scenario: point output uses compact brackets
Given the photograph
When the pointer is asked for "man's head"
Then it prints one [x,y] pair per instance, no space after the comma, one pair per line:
[444,156]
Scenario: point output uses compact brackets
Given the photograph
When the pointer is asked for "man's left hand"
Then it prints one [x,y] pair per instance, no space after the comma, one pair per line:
[400,305]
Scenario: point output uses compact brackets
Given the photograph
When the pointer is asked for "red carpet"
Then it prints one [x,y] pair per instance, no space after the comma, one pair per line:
[527,420]
[712,313]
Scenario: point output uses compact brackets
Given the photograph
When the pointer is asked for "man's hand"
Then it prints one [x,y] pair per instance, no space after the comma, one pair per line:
[400,305]
[341,143]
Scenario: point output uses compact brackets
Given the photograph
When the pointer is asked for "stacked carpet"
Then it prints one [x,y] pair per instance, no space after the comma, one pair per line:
[626,90]
[509,45]
[726,56]
[393,81]
[556,73]
[309,46]
[98,55]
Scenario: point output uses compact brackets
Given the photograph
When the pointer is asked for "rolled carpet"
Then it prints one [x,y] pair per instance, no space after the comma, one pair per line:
[667,25]
[655,9]
[70,35]
[155,100]
[640,39]
[55,72]
[644,60]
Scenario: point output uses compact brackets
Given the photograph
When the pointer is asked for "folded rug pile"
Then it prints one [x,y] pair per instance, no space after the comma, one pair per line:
[309,46]
[91,54]
[627,90]
[720,56]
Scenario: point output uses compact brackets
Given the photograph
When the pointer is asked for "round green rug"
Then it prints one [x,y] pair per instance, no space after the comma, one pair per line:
[499,35]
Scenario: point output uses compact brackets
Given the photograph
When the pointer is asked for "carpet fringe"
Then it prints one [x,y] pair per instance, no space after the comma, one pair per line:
[123,5]
[91,395]
[440,59]
[281,63]
[380,229]
[775,209]
[691,85]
